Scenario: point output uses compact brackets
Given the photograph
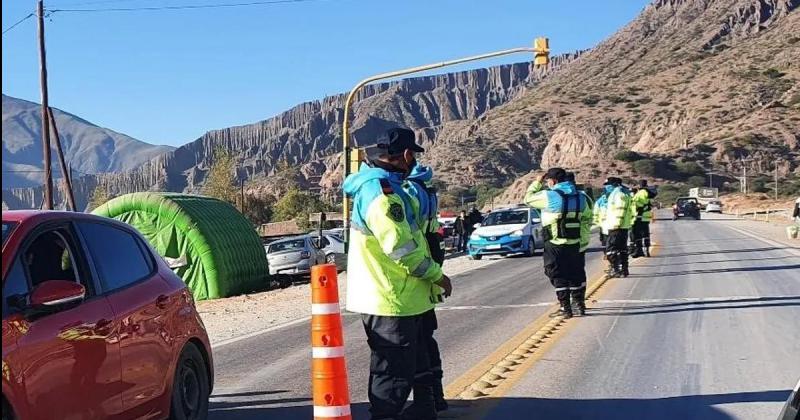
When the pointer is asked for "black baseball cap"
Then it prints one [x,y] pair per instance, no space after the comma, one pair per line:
[612,180]
[556,174]
[397,140]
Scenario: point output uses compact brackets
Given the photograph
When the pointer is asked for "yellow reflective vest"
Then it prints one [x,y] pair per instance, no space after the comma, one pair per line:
[389,268]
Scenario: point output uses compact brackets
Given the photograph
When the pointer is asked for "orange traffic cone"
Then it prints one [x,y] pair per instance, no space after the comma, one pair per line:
[328,368]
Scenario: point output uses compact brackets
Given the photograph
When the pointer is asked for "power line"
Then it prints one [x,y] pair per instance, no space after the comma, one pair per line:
[87,3]
[183,7]
[18,22]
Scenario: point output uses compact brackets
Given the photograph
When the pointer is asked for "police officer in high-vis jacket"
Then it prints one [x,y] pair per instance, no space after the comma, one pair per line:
[390,276]
[640,232]
[418,185]
[565,216]
[617,222]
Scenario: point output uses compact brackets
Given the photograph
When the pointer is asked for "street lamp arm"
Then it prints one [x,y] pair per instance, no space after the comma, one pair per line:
[351,96]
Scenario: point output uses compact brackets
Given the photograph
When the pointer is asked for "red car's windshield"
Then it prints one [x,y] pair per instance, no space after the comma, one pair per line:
[8,227]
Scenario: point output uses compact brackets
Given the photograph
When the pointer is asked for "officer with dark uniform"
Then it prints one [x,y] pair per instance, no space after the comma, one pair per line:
[566,218]
[390,276]
[419,186]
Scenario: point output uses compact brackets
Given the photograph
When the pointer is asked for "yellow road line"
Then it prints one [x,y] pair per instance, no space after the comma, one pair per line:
[498,372]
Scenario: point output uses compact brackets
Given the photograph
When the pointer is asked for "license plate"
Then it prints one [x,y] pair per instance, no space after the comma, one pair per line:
[493,247]
[680,214]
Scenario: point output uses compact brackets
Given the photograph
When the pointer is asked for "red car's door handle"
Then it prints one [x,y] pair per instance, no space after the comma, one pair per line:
[162,301]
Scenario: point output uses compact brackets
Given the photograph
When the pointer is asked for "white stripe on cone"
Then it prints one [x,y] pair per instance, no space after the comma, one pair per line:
[327,352]
[332,411]
[324,308]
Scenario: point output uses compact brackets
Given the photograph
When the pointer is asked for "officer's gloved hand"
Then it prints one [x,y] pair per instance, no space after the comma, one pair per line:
[446,284]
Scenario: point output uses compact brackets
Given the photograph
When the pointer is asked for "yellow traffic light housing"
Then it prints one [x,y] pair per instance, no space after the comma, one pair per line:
[541,55]
[356,157]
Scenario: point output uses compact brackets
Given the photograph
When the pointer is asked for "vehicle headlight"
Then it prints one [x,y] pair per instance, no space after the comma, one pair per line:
[517,233]
[475,236]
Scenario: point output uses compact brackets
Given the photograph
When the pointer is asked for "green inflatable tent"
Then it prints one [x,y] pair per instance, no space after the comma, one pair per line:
[216,250]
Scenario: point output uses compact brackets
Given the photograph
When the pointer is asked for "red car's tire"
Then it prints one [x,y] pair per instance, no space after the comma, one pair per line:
[191,388]
[8,413]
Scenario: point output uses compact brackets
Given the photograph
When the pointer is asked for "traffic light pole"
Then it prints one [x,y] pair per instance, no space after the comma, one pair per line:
[541,49]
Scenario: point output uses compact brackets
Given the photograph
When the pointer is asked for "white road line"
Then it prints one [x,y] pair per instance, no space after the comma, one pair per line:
[217,345]
[714,299]
[469,308]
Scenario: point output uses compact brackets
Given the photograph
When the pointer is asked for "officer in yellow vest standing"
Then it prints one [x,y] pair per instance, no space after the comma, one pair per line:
[566,219]
[390,276]
[618,220]
[640,232]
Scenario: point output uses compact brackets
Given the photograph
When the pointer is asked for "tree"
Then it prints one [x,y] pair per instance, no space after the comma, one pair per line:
[257,209]
[221,181]
[298,205]
[645,167]
[696,181]
[99,196]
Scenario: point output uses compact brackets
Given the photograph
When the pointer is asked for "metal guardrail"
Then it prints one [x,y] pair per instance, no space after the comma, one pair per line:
[769,214]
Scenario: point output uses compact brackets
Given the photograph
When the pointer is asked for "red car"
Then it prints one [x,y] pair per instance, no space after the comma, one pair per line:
[95,325]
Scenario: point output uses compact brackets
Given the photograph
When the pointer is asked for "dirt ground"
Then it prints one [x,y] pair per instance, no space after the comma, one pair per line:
[757,201]
[236,316]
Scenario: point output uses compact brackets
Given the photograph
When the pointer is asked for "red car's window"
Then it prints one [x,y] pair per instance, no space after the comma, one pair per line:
[117,255]
[8,227]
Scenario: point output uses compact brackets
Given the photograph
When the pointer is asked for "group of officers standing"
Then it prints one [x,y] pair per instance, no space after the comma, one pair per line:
[395,260]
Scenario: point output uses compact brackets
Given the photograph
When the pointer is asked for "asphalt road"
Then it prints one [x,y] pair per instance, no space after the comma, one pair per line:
[708,329]
[268,376]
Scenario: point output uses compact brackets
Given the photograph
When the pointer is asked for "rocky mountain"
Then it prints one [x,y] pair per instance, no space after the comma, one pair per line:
[713,82]
[87,147]
[707,81]
[309,135]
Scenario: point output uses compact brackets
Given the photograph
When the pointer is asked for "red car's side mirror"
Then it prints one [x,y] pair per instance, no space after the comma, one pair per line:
[56,292]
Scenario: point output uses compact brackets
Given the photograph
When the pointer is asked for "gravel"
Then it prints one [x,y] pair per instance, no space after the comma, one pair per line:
[236,316]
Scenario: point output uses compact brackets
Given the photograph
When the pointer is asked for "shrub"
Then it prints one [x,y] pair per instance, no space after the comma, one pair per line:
[689,168]
[644,100]
[645,167]
[696,181]
[664,103]
[631,105]
[614,99]
[591,100]
[628,156]
[774,73]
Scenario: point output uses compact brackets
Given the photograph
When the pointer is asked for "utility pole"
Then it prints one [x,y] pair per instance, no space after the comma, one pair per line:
[65,170]
[47,204]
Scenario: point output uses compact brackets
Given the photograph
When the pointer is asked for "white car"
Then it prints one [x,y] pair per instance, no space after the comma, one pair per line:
[714,207]
[515,230]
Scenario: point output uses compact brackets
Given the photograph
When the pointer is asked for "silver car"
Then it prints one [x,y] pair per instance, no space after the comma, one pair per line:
[294,256]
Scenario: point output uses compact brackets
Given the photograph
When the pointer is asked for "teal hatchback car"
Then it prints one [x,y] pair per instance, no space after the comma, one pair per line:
[516,230]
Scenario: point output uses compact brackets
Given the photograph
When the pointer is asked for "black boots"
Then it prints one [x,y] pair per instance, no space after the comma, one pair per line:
[424,406]
[563,311]
[581,308]
[438,396]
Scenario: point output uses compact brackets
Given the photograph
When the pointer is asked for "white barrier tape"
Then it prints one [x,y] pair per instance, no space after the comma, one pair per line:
[332,411]
[325,308]
[327,352]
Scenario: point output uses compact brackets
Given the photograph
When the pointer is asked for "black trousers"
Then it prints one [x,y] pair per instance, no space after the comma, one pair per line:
[433,376]
[565,266]
[398,354]
[640,236]
[617,248]
[463,240]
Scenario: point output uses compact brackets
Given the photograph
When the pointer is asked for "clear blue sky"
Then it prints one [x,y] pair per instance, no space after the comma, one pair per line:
[168,76]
